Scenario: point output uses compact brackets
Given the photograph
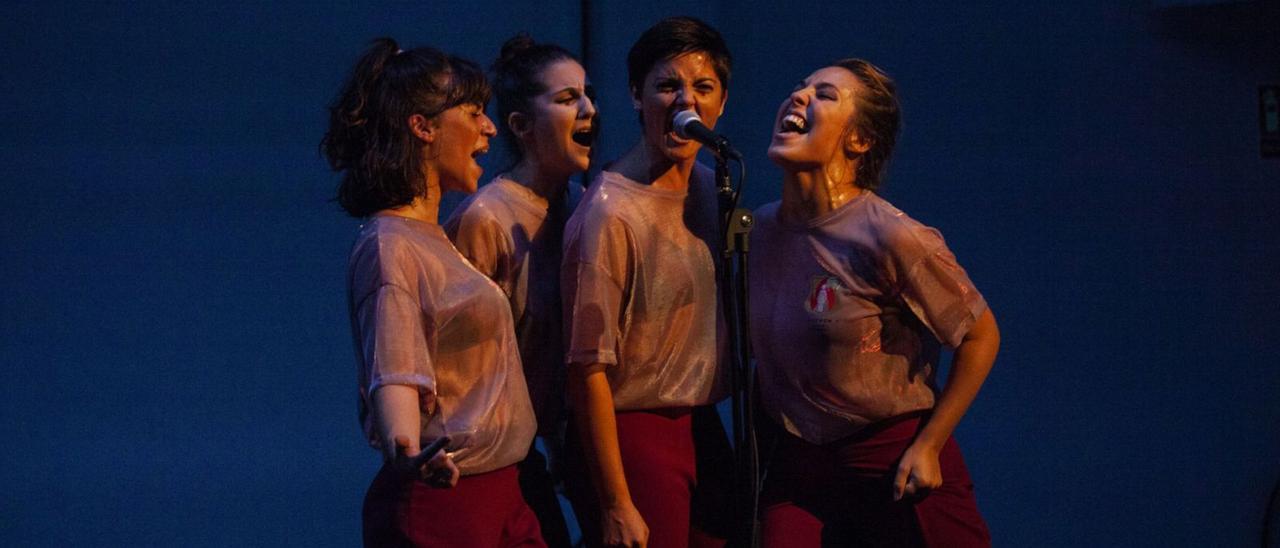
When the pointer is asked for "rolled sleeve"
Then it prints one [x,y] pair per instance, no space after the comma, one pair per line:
[597,262]
[934,285]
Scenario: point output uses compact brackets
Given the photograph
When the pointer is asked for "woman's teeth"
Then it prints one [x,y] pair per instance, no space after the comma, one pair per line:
[794,123]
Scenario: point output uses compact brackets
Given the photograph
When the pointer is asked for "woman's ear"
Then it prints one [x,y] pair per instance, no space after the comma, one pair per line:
[422,128]
[855,145]
[635,98]
[519,124]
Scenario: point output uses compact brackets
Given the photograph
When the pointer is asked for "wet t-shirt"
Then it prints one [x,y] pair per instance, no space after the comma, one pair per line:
[513,236]
[422,316]
[847,315]
[639,284]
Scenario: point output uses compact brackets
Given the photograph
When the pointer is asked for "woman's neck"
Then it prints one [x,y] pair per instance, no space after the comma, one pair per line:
[807,195]
[425,208]
[530,174]
[650,167]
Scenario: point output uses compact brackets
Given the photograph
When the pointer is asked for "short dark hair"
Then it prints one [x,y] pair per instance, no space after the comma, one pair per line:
[369,138]
[877,118]
[516,79]
[673,37]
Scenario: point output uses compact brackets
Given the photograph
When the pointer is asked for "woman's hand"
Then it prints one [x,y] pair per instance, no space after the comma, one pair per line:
[623,526]
[918,473]
[437,470]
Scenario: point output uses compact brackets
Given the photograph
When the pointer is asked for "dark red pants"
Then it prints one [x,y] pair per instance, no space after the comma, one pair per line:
[678,467]
[841,494]
[482,510]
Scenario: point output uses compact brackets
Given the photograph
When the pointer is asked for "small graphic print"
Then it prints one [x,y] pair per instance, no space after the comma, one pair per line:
[822,296]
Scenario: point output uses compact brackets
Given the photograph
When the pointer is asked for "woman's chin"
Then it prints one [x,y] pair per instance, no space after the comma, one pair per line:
[777,155]
[681,153]
[580,162]
[783,158]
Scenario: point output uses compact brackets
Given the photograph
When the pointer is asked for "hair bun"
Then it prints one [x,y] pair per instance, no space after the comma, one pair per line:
[513,48]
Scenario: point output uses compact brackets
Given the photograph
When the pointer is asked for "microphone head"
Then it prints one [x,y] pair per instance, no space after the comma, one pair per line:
[682,120]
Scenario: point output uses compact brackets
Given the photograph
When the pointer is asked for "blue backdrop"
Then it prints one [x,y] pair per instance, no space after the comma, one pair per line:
[176,359]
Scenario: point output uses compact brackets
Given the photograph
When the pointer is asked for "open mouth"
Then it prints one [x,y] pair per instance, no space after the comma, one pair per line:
[585,136]
[479,152]
[674,134]
[793,123]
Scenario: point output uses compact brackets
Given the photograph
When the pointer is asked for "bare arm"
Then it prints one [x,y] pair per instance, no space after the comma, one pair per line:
[399,425]
[918,470]
[592,397]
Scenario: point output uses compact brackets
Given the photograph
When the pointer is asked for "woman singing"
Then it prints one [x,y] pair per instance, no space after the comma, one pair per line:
[436,350]
[640,290]
[850,302]
[511,231]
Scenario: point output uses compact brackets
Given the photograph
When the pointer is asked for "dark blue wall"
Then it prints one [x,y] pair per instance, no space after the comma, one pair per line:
[176,360]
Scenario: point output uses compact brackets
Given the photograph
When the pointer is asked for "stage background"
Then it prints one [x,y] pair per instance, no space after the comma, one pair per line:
[176,361]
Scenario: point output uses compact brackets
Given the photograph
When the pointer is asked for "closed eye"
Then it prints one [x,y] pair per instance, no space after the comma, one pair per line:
[828,92]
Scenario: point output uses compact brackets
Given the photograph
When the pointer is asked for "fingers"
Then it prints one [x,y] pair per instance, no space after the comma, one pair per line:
[452,471]
[900,482]
[912,488]
[441,471]
[915,486]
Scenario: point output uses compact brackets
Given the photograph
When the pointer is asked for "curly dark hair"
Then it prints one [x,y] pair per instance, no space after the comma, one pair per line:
[877,119]
[369,138]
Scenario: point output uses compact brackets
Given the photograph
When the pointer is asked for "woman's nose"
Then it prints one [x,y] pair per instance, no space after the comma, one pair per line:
[684,97]
[586,107]
[486,126]
[800,96]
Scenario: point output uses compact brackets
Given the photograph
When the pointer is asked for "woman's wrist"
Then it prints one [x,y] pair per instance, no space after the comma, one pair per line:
[927,441]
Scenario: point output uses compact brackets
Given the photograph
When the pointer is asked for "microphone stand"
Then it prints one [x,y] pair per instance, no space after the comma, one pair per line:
[735,229]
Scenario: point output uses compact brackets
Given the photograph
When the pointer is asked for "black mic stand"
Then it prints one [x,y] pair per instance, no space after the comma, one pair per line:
[735,228]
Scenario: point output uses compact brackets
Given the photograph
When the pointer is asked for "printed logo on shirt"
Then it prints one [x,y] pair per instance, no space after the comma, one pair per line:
[822,293]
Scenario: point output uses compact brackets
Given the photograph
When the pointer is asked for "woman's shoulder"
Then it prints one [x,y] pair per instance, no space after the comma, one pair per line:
[604,213]
[489,202]
[607,196]
[381,255]
[897,232]
[392,241]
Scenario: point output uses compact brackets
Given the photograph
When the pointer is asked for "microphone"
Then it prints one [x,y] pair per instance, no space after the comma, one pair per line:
[688,125]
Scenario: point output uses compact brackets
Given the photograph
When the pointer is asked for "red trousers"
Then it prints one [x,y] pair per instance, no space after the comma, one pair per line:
[678,466]
[841,494]
[482,510]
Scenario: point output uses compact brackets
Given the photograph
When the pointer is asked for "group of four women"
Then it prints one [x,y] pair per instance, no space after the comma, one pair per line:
[477,333]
